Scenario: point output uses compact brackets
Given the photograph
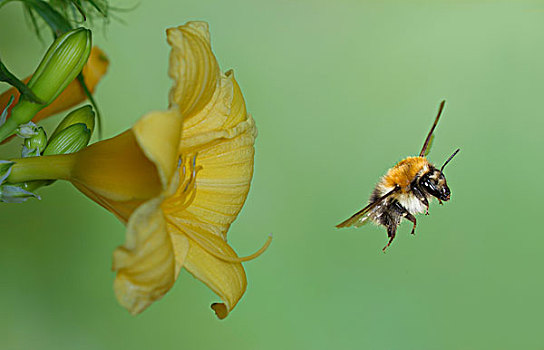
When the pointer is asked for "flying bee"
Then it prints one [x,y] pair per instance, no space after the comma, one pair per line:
[404,191]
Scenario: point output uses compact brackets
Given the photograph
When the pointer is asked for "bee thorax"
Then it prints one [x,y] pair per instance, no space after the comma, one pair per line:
[411,203]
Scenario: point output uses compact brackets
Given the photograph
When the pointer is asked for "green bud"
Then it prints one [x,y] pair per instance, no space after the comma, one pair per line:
[70,140]
[27,130]
[71,135]
[61,64]
[84,115]
[34,145]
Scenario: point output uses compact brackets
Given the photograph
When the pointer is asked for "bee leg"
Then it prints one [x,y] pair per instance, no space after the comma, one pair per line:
[404,213]
[419,195]
[425,202]
[391,231]
[411,218]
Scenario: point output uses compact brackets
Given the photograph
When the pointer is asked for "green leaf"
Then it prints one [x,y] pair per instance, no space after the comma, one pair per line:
[54,19]
[93,103]
[5,170]
[33,21]
[15,194]
[101,8]
[4,114]
[11,79]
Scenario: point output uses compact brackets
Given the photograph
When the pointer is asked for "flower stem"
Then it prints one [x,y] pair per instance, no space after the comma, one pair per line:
[57,167]
[20,114]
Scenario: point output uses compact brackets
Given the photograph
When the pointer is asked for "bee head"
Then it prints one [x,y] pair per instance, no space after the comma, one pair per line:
[434,183]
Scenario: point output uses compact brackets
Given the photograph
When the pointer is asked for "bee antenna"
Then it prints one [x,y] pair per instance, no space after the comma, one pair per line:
[450,158]
[428,139]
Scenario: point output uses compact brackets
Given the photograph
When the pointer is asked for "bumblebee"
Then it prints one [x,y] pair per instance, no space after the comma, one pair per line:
[405,190]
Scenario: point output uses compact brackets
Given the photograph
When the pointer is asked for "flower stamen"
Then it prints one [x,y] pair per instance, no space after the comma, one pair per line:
[204,244]
[186,192]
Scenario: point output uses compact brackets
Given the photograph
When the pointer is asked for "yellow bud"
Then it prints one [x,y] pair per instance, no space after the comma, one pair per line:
[83,115]
[72,139]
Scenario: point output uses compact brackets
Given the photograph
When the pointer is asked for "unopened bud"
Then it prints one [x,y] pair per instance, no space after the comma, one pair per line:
[61,64]
[27,130]
[83,115]
[34,145]
[70,140]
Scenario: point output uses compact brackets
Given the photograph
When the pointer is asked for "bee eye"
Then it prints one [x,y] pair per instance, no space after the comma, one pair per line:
[430,186]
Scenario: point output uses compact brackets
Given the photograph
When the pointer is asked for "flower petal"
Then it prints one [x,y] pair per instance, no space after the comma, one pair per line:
[123,172]
[145,264]
[218,119]
[121,209]
[180,243]
[158,135]
[225,156]
[192,66]
[117,169]
[226,279]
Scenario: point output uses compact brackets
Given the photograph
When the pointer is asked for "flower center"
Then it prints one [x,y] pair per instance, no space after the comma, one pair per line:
[184,196]
[186,191]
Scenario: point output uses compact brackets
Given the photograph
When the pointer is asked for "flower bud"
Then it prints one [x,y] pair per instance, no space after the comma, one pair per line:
[27,130]
[83,115]
[34,145]
[61,64]
[69,140]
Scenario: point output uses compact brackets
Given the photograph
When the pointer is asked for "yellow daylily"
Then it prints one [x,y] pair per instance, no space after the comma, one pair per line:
[178,179]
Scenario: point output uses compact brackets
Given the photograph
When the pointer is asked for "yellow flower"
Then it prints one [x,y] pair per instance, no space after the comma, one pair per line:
[178,179]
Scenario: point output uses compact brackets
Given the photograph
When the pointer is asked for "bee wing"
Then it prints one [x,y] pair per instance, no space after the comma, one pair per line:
[428,150]
[361,217]
[427,145]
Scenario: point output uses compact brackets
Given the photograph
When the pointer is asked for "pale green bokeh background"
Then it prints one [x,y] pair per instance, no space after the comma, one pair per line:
[340,91]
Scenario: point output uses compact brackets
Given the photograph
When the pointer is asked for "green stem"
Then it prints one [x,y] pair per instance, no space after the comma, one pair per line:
[57,167]
[22,113]
[32,186]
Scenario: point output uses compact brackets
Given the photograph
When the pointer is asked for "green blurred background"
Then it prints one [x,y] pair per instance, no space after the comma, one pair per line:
[341,91]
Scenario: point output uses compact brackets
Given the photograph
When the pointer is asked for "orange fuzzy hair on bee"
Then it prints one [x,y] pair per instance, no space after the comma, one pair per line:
[404,172]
